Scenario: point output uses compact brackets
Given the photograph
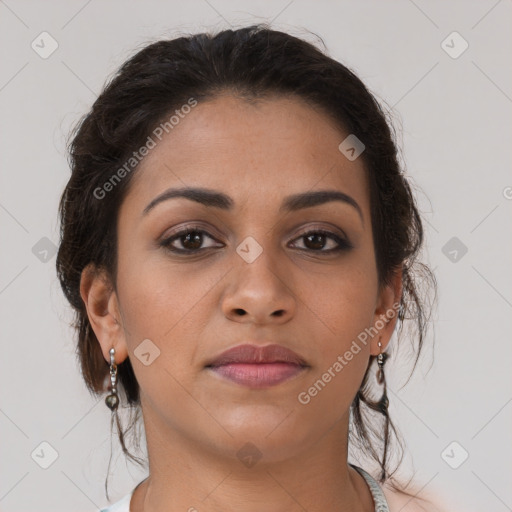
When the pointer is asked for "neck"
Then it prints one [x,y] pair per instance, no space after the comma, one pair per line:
[187,476]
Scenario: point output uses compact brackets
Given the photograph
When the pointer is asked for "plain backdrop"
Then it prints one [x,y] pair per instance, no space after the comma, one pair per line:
[442,68]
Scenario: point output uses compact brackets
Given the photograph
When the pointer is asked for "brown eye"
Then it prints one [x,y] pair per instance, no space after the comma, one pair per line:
[315,241]
[190,239]
[318,239]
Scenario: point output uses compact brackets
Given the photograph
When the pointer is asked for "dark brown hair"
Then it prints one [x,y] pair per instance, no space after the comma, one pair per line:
[251,62]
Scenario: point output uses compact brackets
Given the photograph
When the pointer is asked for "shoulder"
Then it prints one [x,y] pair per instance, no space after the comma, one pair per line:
[403,502]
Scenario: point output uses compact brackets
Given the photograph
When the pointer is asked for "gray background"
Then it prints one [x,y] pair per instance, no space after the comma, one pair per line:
[454,114]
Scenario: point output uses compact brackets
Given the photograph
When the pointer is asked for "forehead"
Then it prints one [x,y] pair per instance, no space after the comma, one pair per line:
[256,152]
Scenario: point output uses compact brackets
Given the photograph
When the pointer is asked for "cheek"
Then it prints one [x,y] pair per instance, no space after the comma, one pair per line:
[341,352]
[343,303]
[339,315]
[167,304]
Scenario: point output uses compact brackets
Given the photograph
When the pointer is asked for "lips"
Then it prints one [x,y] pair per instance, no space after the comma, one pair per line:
[254,354]
[257,367]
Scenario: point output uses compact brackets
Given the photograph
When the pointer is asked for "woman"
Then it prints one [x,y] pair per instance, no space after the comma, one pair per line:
[238,241]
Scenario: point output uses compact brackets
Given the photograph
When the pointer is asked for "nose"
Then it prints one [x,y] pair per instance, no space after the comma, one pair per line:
[259,293]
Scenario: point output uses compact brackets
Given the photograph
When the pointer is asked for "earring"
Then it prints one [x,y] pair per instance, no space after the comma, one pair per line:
[381,379]
[112,400]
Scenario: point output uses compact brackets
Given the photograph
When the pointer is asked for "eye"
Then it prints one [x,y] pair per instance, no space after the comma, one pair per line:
[316,240]
[191,240]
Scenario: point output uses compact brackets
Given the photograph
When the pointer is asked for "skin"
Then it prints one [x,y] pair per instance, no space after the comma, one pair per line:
[189,307]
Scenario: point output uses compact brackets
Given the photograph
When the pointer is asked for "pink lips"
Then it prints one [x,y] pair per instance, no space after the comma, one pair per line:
[258,367]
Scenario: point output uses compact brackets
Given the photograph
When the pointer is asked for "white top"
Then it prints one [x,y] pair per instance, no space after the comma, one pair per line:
[123,505]
[381,505]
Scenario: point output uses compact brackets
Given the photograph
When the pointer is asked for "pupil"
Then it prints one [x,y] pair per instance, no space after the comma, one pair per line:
[318,245]
[195,243]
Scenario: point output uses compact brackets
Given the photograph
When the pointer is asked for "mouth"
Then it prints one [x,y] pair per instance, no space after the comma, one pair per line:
[256,366]
[258,375]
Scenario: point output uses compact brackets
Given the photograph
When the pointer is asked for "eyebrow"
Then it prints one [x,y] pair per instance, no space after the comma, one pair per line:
[215,199]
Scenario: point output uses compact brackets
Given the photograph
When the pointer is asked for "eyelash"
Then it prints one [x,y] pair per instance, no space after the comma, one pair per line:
[343,245]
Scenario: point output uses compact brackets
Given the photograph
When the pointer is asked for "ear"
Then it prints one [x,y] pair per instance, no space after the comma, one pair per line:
[386,313]
[102,306]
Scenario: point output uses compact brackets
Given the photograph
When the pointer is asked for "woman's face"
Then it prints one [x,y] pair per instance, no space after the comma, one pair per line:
[250,274]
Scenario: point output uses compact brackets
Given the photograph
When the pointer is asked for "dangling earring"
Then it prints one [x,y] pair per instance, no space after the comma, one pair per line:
[383,404]
[112,400]
[381,379]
